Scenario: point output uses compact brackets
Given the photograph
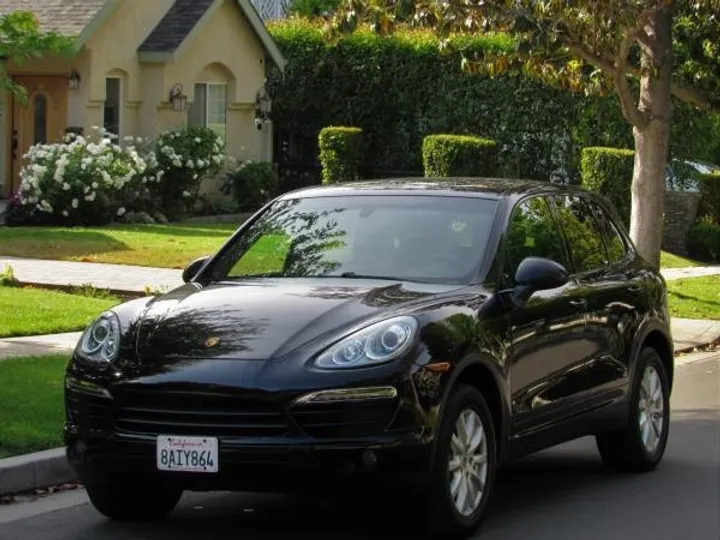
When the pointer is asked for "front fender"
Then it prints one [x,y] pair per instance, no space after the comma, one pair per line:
[484,372]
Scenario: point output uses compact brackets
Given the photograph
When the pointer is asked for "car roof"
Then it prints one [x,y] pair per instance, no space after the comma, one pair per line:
[487,188]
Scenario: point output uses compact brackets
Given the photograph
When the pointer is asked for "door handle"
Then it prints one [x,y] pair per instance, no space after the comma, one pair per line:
[580,302]
[633,288]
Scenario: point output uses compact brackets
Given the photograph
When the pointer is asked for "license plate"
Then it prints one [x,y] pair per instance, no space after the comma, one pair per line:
[187,454]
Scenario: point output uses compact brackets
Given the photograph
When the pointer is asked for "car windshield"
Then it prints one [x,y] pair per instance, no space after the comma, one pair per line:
[401,237]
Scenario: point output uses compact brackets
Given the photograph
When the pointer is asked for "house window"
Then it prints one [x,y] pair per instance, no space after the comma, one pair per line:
[210,108]
[111,115]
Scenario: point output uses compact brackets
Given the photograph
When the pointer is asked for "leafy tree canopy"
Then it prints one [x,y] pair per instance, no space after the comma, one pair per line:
[580,45]
[21,39]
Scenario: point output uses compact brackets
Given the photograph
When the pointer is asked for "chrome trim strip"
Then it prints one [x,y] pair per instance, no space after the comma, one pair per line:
[348,394]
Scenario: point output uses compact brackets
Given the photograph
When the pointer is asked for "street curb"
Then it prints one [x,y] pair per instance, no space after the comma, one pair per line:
[122,293]
[33,471]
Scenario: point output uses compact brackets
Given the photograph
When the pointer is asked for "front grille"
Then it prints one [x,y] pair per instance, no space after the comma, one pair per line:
[190,413]
[348,419]
[88,411]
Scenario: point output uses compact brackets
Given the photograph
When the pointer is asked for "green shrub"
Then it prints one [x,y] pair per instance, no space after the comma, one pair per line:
[399,89]
[710,201]
[458,155]
[341,152]
[609,171]
[311,9]
[253,184]
[703,242]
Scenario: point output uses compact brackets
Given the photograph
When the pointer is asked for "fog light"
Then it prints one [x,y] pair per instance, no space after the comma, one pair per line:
[369,458]
[85,387]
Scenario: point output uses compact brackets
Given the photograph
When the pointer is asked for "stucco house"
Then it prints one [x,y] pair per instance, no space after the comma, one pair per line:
[140,67]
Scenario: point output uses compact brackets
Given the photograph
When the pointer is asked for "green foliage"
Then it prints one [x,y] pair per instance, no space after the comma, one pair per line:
[311,9]
[609,172]
[7,277]
[458,155]
[399,89]
[253,184]
[341,153]
[710,201]
[703,242]
[21,39]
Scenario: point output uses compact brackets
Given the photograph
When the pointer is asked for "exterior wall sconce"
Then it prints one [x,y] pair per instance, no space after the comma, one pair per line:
[177,98]
[263,104]
[74,79]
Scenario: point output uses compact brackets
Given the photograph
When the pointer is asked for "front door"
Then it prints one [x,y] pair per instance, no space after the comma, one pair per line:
[547,335]
[42,119]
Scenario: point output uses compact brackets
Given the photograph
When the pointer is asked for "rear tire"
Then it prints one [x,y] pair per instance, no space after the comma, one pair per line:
[464,467]
[132,499]
[640,446]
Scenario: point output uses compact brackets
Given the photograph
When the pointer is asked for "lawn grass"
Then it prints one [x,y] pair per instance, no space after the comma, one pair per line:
[29,312]
[162,246]
[669,260]
[31,401]
[695,298]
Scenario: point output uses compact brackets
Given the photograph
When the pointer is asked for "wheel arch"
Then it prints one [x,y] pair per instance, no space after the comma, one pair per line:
[657,340]
[483,373]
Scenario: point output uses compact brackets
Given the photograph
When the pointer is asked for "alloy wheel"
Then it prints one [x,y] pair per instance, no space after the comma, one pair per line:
[651,409]
[468,462]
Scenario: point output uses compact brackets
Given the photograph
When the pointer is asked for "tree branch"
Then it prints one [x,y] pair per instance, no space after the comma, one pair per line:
[630,110]
[695,97]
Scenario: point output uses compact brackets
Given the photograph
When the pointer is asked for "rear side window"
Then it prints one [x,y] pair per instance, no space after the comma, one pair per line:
[532,232]
[616,248]
[583,235]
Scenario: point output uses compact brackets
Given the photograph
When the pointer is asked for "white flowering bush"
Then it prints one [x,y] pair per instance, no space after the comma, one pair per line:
[184,158]
[84,181]
[95,180]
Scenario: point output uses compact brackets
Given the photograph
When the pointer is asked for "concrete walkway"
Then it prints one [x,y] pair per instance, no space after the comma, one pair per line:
[691,272]
[115,277]
[134,279]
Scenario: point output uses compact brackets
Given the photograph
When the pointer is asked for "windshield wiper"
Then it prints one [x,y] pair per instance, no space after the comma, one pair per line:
[354,275]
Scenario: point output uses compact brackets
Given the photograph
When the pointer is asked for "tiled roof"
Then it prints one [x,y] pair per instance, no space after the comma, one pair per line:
[67,17]
[174,27]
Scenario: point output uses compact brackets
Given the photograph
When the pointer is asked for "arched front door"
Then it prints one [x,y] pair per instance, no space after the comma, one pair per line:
[42,119]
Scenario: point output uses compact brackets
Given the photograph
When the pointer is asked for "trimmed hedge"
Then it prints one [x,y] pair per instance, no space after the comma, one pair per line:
[710,201]
[399,89]
[253,184]
[341,153]
[458,155]
[703,242]
[609,171]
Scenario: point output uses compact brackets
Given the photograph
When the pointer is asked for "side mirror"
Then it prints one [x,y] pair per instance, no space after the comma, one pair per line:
[193,268]
[537,274]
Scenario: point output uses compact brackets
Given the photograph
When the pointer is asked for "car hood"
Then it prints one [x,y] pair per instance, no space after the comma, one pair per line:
[263,319]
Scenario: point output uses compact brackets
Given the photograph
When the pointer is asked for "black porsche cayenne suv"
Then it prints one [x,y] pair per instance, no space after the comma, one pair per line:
[434,328]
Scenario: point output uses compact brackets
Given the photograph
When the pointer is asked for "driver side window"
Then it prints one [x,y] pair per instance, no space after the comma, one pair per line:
[532,232]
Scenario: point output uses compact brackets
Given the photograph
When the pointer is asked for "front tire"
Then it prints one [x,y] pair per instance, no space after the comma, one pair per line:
[464,466]
[640,446]
[132,499]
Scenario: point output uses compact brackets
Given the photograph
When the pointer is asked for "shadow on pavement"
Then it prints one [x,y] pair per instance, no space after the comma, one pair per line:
[560,493]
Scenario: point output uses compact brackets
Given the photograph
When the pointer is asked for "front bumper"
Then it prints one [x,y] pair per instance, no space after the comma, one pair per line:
[266,443]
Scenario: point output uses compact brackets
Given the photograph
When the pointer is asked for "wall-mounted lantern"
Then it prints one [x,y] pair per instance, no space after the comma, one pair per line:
[263,104]
[177,98]
[74,79]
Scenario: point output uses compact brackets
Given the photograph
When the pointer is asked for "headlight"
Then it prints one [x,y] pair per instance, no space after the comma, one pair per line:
[376,344]
[101,341]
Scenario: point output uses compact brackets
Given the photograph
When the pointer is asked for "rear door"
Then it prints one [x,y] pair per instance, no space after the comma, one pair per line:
[547,335]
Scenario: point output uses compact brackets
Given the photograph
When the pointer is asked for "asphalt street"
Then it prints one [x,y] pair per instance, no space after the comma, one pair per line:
[559,494]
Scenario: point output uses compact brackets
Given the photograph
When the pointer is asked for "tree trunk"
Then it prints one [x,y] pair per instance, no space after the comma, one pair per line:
[652,139]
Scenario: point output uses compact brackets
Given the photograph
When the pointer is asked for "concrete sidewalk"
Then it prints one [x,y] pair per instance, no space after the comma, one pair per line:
[134,279]
[116,277]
